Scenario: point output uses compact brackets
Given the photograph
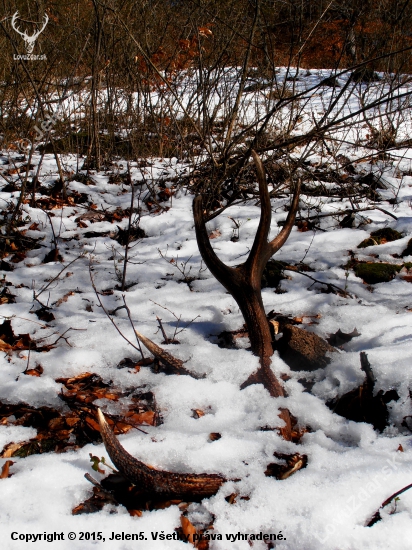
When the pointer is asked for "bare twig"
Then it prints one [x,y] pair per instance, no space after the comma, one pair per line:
[35,296]
[331,286]
[159,321]
[131,322]
[342,213]
[377,516]
[108,314]
[64,338]
[178,319]
[126,252]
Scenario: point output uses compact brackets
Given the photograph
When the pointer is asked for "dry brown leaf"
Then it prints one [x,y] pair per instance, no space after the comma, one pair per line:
[83,397]
[137,513]
[102,393]
[400,448]
[37,371]
[72,420]
[122,428]
[188,529]
[147,417]
[4,346]
[19,344]
[18,257]
[10,449]
[92,423]
[32,372]
[143,363]
[300,463]
[57,423]
[205,31]
[303,226]
[5,470]
[215,234]
[78,509]
[75,379]
[197,413]
[64,298]
[61,434]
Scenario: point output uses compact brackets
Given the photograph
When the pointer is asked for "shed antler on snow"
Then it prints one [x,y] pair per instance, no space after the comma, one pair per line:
[150,480]
[244,281]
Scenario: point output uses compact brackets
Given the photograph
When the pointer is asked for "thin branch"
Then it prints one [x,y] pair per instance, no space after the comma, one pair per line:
[339,290]
[126,252]
[131,322]
[377,516]
[343,213]
[108,314]
[178,319]
[56,277]
[159,321]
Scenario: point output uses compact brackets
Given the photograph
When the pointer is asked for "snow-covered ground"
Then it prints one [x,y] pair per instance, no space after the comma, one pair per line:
[351,467]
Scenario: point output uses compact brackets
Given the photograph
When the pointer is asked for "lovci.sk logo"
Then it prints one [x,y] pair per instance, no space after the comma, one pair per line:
[29,40]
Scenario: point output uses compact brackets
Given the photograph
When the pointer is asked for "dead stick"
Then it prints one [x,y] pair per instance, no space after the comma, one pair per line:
[162,329]
[377,516]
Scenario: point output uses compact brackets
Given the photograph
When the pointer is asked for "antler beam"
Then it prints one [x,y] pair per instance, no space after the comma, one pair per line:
[149,479]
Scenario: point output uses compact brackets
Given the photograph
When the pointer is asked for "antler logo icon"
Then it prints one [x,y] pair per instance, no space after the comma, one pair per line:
[29,40]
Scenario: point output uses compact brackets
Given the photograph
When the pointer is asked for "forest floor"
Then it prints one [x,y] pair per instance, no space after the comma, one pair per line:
[61,358]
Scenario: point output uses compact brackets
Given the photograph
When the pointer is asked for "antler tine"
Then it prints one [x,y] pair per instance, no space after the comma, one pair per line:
[260,250]
[281,238]
[13,23]
[26,37]
[45,23]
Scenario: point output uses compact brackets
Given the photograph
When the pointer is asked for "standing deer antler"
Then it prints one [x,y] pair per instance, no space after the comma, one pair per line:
[244,281]
[29,40]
